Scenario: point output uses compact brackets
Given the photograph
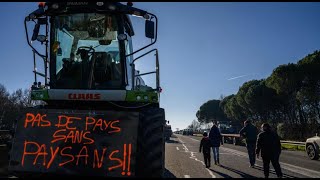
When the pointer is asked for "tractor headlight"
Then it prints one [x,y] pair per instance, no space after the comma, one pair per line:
[138,98]
[146,16]
[99,3]
[112,7]
[55,6]
[145,98]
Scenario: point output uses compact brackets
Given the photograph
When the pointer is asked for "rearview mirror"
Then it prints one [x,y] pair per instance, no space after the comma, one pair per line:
[149,29]
[41,38]
[35,32]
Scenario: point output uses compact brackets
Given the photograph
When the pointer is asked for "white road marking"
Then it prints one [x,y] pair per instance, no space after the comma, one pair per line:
[177,148]
[211,173]
[186,176]
[192,156]
[194,139]
[289,167]
[185,148]
[300,170]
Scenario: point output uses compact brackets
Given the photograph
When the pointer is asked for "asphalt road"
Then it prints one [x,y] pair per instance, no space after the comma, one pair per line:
[183,160]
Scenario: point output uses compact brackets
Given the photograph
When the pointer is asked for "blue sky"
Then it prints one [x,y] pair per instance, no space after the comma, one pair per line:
[203,47]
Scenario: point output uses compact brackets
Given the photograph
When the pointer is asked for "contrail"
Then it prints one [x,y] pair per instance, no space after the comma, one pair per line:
[238,77]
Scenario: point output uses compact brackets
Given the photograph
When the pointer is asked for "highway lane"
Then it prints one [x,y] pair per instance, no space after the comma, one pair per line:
[289,160]
[183,160]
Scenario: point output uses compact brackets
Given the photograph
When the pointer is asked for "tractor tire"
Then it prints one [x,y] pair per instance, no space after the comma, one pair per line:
[151,144]
[312,152]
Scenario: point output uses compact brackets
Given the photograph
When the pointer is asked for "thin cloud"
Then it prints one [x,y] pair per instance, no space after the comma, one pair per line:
[238,77]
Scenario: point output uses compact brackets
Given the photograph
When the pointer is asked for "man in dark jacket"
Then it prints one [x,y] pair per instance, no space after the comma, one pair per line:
[249,132]
[205,146]
[269,144]
[215,138]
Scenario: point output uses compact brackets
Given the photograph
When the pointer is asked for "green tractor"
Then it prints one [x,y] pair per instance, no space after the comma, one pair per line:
[99,118]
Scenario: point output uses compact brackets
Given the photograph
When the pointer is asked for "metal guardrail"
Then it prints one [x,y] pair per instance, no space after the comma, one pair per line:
[234,136]
[231,135]
[293,142]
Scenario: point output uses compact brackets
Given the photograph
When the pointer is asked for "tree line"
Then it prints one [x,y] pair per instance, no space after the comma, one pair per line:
[289,99]
[12,104]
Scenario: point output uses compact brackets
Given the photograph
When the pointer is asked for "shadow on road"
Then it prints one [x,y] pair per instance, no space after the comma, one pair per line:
[274,172]
[172,141]
[168,174]
[174,136]
[242,174]
[221,174]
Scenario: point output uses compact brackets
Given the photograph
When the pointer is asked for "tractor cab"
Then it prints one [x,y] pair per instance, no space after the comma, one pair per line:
[88,49]
[100,118]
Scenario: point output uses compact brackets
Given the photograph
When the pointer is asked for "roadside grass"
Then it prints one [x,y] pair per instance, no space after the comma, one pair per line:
[293,147]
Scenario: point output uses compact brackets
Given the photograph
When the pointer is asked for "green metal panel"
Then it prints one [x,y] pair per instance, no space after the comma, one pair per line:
[132,96]
[41,94]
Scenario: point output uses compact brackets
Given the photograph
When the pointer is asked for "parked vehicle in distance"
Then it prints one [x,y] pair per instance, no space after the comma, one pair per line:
[187,132]
[167,132]
[312,147]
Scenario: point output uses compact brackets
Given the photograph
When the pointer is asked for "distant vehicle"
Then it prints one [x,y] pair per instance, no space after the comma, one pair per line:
[312,147]
[187,132]
[167,132]
[229,127]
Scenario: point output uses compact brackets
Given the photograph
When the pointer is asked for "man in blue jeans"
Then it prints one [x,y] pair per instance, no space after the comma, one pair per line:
[250,132]
[215,138]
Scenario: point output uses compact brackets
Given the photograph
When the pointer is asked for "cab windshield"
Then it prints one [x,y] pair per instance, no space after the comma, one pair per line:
[86,51]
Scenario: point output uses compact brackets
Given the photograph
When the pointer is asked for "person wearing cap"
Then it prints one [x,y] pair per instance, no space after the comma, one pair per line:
[269,145]
[205,146]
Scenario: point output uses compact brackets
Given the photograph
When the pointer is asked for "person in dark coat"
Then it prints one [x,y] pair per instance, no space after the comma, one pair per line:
[250,132]
[269,144]
[205,146]
[215,139]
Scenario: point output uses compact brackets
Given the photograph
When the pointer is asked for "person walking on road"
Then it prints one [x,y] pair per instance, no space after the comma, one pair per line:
[269,144]
[205,146]
[250,132]
[215,139]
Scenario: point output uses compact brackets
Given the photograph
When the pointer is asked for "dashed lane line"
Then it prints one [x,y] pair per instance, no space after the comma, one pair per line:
[289,167]
[192,156]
